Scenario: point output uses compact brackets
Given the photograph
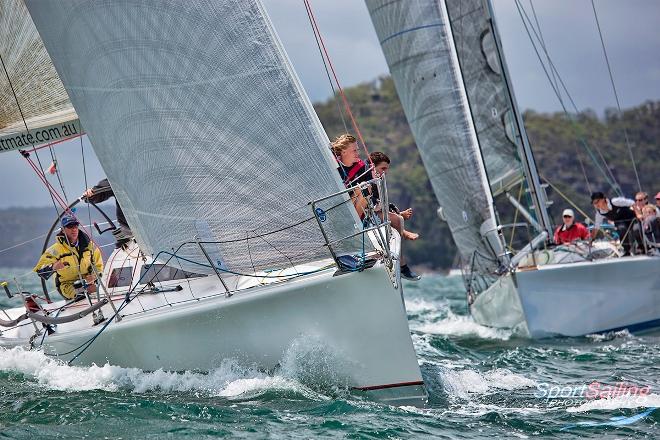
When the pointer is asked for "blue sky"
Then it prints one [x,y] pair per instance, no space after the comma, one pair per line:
[569,29]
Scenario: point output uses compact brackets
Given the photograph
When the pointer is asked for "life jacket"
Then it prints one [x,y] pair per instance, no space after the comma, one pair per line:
[351,173]
[619,213]
[79,260]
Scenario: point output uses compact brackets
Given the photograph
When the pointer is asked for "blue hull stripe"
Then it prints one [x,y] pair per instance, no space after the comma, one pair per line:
[635,327]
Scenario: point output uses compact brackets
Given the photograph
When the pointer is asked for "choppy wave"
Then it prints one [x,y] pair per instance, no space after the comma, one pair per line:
[463,383]
[463,326]
[230,379]
[418,305]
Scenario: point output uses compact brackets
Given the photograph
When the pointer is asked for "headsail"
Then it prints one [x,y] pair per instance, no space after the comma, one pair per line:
[201,125]
[417,42]
[42,100]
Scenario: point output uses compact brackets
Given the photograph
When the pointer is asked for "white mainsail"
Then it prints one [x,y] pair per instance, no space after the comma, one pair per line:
[418,46]
[486,90]
[29,77]
[201,126]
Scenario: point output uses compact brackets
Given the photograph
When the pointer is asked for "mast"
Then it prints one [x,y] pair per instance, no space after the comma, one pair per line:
[529,165]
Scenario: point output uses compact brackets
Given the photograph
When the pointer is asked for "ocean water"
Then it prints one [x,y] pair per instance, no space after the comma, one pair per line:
[482,383]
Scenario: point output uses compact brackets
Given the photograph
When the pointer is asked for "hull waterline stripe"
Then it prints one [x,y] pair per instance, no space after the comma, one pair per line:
[390,385]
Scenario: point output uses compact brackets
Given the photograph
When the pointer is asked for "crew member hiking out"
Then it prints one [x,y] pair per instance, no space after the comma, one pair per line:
[72,259]
[352,169]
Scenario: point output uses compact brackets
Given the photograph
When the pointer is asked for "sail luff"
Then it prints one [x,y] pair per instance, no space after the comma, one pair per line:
[201,126]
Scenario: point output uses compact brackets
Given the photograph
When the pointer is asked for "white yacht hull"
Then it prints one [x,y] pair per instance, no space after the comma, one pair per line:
[358,321]
[579,298]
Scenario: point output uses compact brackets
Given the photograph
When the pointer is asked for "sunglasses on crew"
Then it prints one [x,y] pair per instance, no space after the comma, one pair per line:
[71,226]
[568,216]
[641,200]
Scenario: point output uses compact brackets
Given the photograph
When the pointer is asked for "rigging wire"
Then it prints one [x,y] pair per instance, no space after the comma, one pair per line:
[84,166]
[605,170]
[57,171]
[616,95]
[545,49]
[325,66]
[565,197]
[20,110]
[555,83]
[339,87]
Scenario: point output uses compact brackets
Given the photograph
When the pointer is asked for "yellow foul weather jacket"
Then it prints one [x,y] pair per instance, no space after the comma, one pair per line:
[79,258]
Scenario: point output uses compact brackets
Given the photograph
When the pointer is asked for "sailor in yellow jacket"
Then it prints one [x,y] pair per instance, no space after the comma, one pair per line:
[71,259]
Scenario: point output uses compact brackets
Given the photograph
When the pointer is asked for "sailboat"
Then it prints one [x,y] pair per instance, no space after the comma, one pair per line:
[243,229]
[446,60]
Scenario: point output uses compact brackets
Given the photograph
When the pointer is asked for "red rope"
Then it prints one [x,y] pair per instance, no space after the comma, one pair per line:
[334,74]
[56,142]
[56,195]
[59,141]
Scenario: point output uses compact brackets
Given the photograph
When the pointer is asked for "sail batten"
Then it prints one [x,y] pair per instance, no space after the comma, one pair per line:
[201,126]
[31,93]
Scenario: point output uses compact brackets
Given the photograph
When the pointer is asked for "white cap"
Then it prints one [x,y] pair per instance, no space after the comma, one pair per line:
[568,211]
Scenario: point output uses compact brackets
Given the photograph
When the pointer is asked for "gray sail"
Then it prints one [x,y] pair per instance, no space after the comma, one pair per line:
[418,46]
[486,90]
[31,93]
[201,126]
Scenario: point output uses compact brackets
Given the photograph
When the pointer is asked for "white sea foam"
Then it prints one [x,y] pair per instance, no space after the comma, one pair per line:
[463,383]
[627,401]
[462,326]
[600,337]
[420,305]
[228,380]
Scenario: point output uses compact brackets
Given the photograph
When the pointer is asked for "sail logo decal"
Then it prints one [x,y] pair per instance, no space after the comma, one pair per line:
[322,216]
[39,136]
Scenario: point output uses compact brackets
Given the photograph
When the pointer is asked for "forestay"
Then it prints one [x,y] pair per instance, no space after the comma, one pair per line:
[486,90]
[44,103]
[417,42]
[201,125]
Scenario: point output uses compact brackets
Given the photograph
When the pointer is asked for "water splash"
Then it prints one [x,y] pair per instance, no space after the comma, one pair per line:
[463,326]
[230,379]
[464,383]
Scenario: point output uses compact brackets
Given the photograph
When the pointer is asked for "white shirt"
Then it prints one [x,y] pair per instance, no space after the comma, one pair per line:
[622,202]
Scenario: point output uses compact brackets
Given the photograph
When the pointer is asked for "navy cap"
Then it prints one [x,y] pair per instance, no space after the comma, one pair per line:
[597,196]
[69,219]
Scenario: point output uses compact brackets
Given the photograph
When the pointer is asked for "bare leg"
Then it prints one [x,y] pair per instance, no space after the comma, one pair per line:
[397,223]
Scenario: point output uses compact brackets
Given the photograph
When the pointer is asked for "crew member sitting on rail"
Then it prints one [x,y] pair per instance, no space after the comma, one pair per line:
[571,230]
[381,164]
[352,169]
[73,259]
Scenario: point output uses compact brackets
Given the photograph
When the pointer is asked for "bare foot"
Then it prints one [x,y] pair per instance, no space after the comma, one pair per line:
[410,235]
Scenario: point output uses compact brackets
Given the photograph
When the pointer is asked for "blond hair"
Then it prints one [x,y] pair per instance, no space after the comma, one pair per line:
[341,143]
[648,209]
